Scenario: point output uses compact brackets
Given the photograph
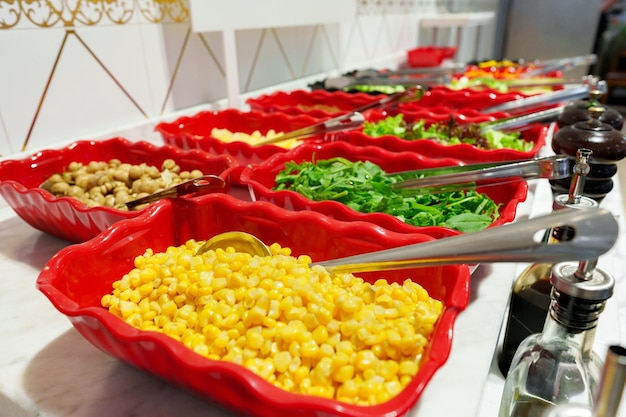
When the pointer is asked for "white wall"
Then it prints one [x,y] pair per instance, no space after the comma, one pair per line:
[71,70]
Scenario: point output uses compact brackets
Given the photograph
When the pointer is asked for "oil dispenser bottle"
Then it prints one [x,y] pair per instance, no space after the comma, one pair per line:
[558,365]
[530,295]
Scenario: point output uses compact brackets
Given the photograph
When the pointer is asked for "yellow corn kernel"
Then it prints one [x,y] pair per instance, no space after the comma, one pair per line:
[351,304]
[145,289]
[309,349]
[310,320]
[273,310]
[405,380]
[125,294]
[288,333]
[201,349]
[184,312]
[169,308]
[127,308]
[388,369]
[282,360]
[320,374]
[148,315]
[295,349]
[368,389]
[180,299]
[333,326]
[174,328]
[148,325]
[270,323]
[135,320]
[365,359]
[369,373]
[393,337]
[221,340]
[254,338]
[106,300]
[349,327]
[295,313]
[393,388]
[343,373]
[326,391]
[218,283]
[408,367]
[264,368]
[230,321]
[348,391]
[326,350]
[287,384]
[345,347]
[300,374]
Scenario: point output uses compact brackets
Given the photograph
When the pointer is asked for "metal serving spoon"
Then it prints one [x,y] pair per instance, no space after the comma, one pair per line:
[595,232]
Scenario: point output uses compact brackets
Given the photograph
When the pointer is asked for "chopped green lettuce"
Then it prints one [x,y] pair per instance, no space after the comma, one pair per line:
[366,188]
[450,133]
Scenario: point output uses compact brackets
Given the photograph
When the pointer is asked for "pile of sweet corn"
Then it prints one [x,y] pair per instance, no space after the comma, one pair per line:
[253,138]
[301,328]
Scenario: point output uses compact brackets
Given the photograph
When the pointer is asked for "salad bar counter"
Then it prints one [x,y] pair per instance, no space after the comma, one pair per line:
[111,308]
[50,370]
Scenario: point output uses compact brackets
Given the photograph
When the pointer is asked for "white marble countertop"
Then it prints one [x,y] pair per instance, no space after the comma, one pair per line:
[47,369]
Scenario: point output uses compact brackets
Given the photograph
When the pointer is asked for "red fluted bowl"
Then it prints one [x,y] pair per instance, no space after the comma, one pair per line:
[76,278]
[261,181]
[69,218]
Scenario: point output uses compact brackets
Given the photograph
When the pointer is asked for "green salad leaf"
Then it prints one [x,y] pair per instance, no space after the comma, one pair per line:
[450,133]
[489,82]
[382,89]
[366,188]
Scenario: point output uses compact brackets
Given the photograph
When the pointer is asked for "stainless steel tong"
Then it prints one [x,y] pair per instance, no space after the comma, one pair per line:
[336,124]
[548,115]
[447,69]
[454,178]
[553,97]
[560,64]
[345,81]
[595,232]
[347,121]
[201,185]
[410,94]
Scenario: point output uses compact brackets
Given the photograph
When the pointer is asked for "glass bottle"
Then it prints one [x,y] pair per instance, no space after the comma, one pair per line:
[530,295]
[558,365]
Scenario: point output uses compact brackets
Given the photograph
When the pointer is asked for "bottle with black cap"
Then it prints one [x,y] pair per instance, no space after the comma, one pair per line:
[530,295]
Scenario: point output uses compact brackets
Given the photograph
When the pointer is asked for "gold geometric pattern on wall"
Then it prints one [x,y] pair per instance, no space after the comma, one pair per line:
[72,13]
[68,13]
[74,16]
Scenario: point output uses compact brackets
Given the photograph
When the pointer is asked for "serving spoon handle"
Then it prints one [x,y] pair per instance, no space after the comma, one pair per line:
[595,232]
